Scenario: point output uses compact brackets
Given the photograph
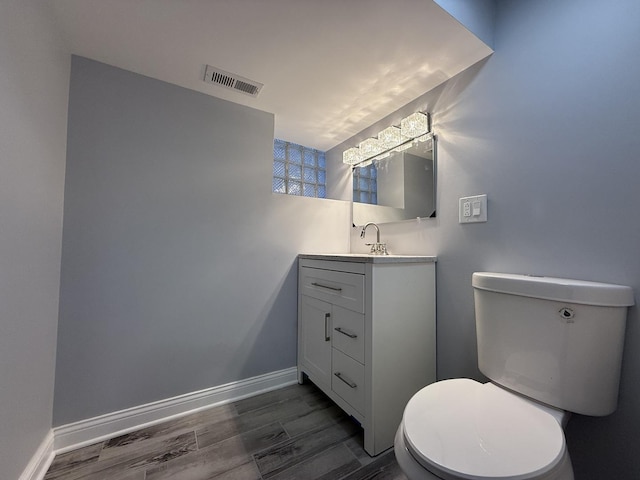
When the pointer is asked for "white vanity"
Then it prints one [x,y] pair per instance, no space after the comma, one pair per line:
[367,334]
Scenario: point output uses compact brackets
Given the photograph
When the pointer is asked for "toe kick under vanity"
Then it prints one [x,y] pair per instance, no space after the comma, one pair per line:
[367,334]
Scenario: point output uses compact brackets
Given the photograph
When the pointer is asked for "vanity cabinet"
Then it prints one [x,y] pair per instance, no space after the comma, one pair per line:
[366,335]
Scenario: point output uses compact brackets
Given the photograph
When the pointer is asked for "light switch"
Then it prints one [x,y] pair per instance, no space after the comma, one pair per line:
[473,209]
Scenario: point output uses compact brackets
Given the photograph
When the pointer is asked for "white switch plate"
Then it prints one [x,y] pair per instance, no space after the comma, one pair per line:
[472,209]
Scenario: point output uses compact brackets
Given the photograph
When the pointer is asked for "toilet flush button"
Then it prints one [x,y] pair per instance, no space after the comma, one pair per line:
[472,209]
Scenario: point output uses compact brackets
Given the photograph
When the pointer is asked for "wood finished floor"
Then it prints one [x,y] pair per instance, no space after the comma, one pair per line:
[292,433]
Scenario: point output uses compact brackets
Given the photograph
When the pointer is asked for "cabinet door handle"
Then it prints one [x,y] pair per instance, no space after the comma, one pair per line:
[350,335]
[329,287]
[348,382]
[327,337]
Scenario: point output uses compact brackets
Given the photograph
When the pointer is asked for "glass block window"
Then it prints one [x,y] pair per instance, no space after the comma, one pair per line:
[298,170]
[365,184]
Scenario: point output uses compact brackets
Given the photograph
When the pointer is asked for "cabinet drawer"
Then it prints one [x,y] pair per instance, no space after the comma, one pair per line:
[348,332]
[347,379]
[339,288]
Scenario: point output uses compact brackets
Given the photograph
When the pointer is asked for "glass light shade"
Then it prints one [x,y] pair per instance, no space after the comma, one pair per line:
[351,156]
[370,147]
[390,137]
[415,125]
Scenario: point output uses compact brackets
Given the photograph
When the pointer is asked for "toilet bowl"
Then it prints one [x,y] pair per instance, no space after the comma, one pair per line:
[548,347]
[463,429]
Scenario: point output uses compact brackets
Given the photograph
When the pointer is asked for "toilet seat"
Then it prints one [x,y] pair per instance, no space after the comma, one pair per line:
[463,429]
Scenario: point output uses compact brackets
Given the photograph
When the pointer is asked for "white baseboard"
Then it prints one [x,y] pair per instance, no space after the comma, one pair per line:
[86,432]
[39,464]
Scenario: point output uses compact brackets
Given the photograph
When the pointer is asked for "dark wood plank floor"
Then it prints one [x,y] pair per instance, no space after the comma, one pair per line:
[292,433]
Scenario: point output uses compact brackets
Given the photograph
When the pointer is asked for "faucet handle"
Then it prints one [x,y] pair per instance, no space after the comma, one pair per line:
[378,248]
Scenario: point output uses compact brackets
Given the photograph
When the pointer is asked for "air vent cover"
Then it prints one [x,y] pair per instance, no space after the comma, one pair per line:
[232,81]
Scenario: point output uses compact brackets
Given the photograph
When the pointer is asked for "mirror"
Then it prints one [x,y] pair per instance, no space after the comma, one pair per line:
[399,187]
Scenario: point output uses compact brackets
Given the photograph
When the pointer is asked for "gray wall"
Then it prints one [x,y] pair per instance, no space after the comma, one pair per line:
[178,262]
[548,127]
[34,81]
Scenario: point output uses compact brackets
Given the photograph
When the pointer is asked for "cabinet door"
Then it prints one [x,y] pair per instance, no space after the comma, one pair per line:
[315,336]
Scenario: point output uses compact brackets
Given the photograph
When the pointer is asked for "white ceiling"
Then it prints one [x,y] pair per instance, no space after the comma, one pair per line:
[330,68]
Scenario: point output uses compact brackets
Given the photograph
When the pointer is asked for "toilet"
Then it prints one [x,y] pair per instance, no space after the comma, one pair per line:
[549,346]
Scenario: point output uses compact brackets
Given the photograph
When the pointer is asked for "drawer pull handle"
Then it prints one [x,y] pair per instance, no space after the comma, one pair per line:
[350,335]
[329,287]
[327,337]
[348,382]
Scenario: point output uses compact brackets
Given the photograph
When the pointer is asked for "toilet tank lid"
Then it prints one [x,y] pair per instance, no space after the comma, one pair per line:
[560,289]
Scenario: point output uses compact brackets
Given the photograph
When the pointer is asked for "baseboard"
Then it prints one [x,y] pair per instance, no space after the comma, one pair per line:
[86,432]
[39,464]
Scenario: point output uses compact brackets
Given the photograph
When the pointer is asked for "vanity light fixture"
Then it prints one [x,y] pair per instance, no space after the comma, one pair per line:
[416,126]
[392,137]
[370,147]
[352,156]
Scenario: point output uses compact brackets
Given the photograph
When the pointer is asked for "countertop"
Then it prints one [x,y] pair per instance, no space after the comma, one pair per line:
[369,258]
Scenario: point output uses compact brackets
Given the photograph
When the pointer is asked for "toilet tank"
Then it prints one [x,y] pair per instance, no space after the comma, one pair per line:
[555,340]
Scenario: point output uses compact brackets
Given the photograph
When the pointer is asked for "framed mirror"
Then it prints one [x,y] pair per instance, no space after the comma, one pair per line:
[399,187]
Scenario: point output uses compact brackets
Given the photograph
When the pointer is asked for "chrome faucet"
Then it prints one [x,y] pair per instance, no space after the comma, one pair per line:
[377,248]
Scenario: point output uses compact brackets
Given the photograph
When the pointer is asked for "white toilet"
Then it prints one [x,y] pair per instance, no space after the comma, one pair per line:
[549,346]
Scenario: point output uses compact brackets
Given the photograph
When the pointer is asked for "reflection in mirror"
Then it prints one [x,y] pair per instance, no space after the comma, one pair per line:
[399,187]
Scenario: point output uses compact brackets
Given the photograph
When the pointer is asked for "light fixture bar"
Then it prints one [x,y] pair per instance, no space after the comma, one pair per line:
[393,138]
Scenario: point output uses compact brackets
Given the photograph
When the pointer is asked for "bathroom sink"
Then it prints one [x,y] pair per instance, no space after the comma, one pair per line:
[370,258]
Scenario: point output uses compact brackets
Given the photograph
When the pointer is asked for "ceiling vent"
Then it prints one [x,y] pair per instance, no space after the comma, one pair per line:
[232,81]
